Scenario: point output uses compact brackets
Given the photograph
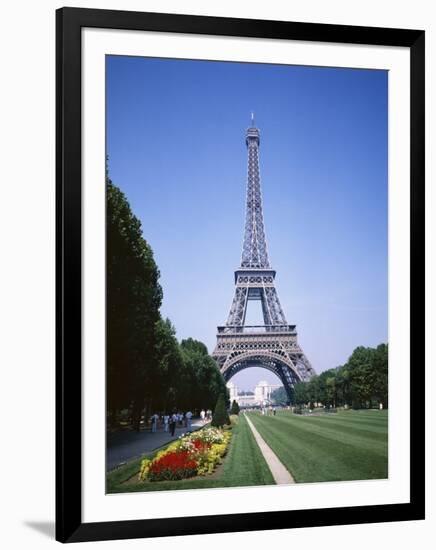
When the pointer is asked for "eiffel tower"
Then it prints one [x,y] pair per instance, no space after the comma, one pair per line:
[274,344]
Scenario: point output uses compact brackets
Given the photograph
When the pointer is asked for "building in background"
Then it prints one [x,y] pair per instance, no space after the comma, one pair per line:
[260,397]
[233,391]
[263,391]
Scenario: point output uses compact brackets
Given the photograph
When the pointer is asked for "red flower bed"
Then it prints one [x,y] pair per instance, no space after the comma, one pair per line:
[200,445]
[174,465]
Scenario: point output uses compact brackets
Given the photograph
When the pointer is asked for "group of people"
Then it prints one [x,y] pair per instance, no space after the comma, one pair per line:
[268,411]
[206,416]
[169,422]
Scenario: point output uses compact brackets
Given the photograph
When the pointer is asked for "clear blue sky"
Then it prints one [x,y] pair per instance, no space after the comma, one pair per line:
[176,146]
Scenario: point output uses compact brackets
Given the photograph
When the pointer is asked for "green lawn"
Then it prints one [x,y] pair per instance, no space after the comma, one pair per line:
[336,447]
[243,465]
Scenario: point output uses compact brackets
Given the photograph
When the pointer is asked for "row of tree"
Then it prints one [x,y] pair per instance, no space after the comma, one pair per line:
[147,369]
[279,396]
[362,382]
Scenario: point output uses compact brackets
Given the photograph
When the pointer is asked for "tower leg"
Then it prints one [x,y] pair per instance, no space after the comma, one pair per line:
[271,303]
[239,307]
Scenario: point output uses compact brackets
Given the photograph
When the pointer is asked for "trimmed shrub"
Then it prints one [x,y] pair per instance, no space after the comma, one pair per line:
[220,416]
[234,408]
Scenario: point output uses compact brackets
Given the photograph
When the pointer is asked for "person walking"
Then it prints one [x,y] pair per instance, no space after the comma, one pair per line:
[166,420]
[203,415]
[173,422]
[154,420]
[188,417]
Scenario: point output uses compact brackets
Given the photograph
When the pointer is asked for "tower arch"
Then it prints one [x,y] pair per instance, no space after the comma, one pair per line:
[286,373]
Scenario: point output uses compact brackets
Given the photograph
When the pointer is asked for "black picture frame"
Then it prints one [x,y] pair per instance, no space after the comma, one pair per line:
[69,22]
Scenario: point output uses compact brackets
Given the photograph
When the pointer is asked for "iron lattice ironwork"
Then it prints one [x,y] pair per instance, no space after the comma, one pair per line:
[274,344]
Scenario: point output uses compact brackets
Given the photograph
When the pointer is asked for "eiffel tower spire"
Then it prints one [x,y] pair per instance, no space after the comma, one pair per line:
[272,345]
[254,251]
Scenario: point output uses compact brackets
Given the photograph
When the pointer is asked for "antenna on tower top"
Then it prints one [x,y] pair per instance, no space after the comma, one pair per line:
[252,119]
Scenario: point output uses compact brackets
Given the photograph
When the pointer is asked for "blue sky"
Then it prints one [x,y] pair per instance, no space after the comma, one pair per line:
[176,146]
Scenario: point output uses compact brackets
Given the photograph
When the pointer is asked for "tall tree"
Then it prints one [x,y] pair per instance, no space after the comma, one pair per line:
[168,359]
[201,380]
[133,300]
[313,393]
[362,378]
[301,393]
[380,362]
[360,382]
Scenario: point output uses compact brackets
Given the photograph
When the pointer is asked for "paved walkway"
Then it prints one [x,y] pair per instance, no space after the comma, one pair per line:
[279,472]
[125,446]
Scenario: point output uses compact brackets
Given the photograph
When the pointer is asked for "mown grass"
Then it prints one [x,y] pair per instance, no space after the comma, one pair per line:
[349,445]
[243,465]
